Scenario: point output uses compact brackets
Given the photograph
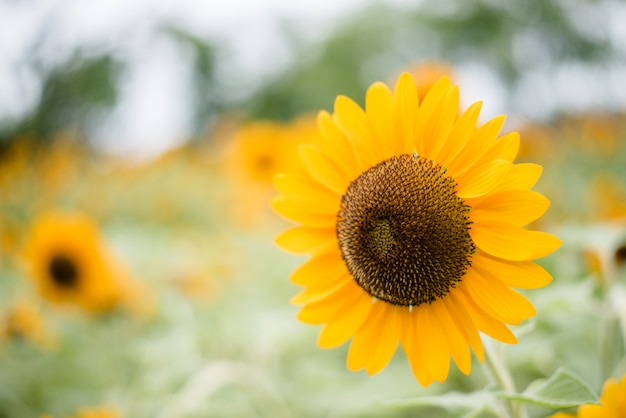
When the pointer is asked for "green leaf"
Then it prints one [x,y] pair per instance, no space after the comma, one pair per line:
[562,390]
[475,404]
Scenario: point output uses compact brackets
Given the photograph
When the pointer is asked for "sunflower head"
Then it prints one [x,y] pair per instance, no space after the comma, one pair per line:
[414,220]
[611,403]
[261,149]
[70,264]
[24,320]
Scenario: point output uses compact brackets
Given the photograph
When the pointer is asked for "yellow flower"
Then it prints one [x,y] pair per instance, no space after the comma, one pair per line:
[262,149]
[613,401]
[428,73]
[414,219]
[70,264]
[98,412]
[94,412]
[24,320]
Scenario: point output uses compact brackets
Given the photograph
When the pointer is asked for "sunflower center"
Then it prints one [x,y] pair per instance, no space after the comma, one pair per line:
[63,271]
[404,232]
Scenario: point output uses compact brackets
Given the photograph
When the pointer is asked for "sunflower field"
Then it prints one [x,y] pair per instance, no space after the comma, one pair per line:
[417,210]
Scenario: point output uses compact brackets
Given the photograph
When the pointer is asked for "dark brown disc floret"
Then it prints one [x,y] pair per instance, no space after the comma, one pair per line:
[63,271]
[404,232]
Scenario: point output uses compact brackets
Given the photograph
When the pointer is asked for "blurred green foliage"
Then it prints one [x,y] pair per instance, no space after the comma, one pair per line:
[510,38]
[73,95]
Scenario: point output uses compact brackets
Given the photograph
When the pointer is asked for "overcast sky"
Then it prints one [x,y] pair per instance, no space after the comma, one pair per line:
[153,114]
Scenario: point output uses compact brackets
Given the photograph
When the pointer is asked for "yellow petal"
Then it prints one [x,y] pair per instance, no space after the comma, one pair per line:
[503,240]
[336,146]
[388,338]
[322,269]
[405,107]
[481,179]
[436,117]
[458,137]
[413,350]
[520,177]
[499,301]
[304,239]
[323,310]
[483,321]
[353,122]
[433,343]
[518,274]
[519,207]
[347,320]
[505,148]
[361,347]
[544,244]
[378,111]
[465,324]
[303,212]
[304,188]
[315,293]
[459,347]
[323,170]
[477,145]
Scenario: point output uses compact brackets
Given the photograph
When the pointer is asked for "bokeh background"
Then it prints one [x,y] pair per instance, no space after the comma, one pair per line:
[162,123]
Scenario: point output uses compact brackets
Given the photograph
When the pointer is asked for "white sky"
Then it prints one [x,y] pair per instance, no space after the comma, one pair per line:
[153,115]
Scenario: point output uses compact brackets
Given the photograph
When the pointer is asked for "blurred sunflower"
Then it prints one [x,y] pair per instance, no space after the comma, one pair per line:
[262,149]
[612,399]
[24,320]
[428,73]
[414,219]
[94,412]
[67,259]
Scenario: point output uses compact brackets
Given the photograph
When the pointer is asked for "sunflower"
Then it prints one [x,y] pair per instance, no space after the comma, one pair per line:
[413,218]
[612,403]
[427,73]
[70,264]
[262,149]
[94,412]
[24,320]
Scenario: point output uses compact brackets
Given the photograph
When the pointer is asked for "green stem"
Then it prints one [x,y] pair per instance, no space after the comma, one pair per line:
[499,374]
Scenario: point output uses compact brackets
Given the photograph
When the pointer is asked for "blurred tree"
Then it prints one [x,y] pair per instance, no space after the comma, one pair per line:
[508,37]
[205,94]
[75,95]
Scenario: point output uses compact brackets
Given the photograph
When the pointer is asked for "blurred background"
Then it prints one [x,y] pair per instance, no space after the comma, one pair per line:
[149,131]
